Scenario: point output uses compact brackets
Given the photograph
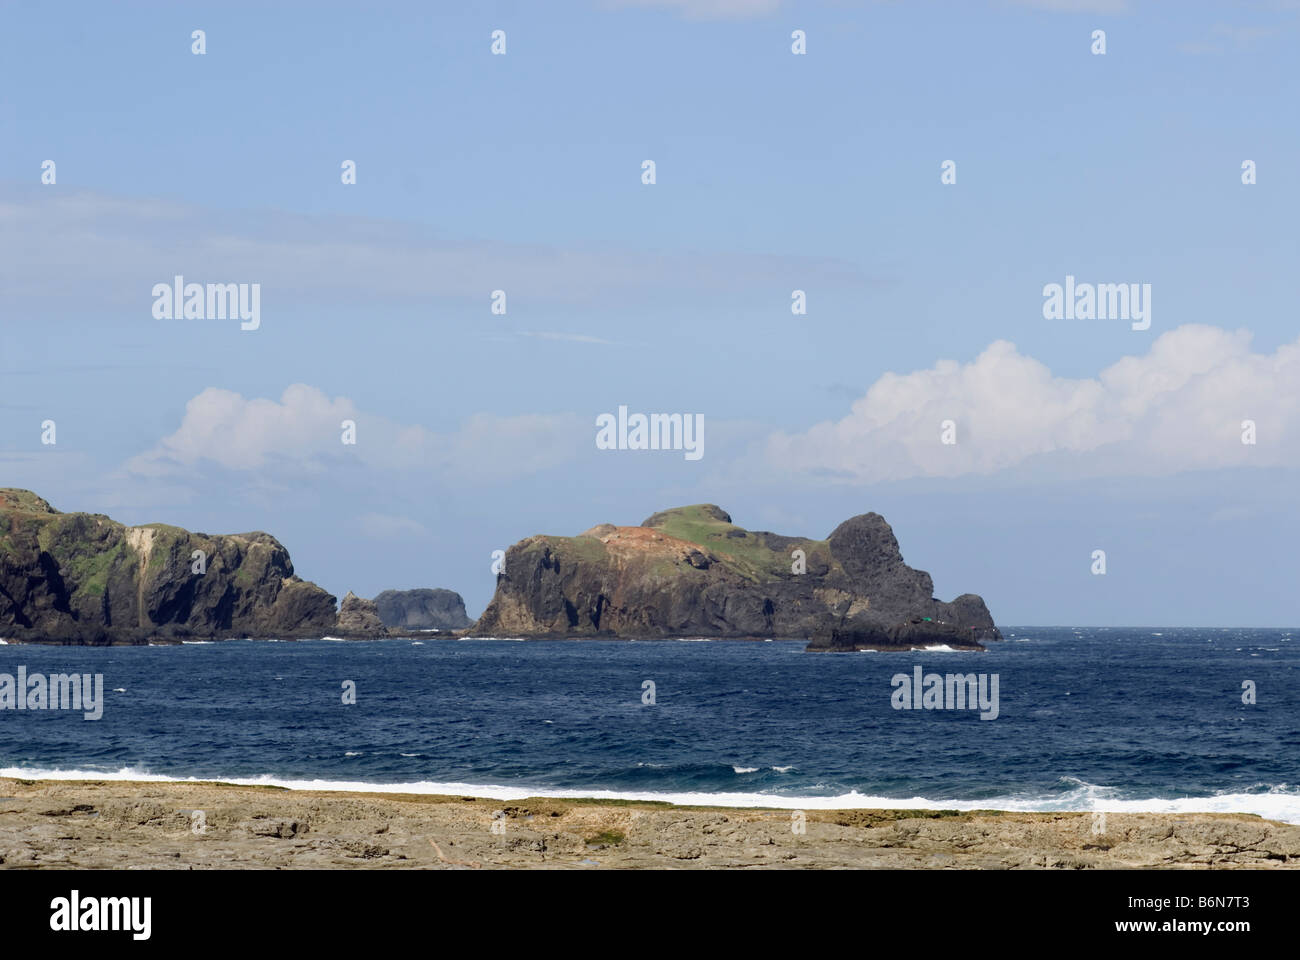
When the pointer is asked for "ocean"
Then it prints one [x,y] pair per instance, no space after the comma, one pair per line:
[1113,719]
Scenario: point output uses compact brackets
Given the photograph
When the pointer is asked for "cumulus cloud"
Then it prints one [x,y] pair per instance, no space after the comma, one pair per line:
[302,433]
[1179,407]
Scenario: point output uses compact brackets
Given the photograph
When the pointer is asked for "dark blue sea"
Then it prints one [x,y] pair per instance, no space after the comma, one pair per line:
[1088,718]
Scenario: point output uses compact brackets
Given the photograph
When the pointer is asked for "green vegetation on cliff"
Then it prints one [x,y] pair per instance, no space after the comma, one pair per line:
[692,571]
[755,555]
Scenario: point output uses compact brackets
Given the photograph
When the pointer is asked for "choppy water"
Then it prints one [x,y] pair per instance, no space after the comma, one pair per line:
[1113,719]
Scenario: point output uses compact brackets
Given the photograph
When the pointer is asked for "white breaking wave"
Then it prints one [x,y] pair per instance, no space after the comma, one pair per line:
[744,769]
[1279,803]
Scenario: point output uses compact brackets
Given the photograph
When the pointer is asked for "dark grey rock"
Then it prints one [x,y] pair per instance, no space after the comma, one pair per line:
[425,609]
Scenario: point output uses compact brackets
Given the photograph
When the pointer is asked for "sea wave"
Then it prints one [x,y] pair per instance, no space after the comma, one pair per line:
[1273,802]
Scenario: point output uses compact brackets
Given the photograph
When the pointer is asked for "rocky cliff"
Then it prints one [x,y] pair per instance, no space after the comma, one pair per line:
[692,572]
[84,578]
[359,616]
[422,609]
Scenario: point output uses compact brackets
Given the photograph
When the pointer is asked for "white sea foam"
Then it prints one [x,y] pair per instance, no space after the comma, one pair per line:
[1281,802]
[197,643]
[744,769]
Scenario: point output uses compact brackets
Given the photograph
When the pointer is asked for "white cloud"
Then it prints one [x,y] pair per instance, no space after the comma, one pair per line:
[302,433]
[1178,407]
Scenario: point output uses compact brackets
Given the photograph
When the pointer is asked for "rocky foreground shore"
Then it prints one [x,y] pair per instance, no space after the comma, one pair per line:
[117,824]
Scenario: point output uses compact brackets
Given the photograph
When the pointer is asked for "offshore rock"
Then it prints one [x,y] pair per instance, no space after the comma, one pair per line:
[691,571]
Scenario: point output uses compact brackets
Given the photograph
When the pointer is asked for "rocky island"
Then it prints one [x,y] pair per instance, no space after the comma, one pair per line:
[690,571]
[84,578]
[422,609]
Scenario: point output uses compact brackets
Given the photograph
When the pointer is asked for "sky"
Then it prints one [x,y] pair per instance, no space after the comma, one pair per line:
[774,172]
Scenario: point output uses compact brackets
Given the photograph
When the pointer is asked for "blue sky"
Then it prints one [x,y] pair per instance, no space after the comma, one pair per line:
[775,172]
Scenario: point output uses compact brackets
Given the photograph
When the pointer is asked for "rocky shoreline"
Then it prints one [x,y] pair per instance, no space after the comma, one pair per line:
[63,824]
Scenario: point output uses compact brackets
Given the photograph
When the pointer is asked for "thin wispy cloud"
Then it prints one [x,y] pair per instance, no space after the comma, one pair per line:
[568,337]
[1077,6]
[1229,38]
[704,9]
[106,250]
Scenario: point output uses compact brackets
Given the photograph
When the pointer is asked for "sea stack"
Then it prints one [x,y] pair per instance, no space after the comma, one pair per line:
[422,609]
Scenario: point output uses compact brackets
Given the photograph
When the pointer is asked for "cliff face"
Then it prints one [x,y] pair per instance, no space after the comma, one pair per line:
[84,578]
[422,609]
[692,572]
